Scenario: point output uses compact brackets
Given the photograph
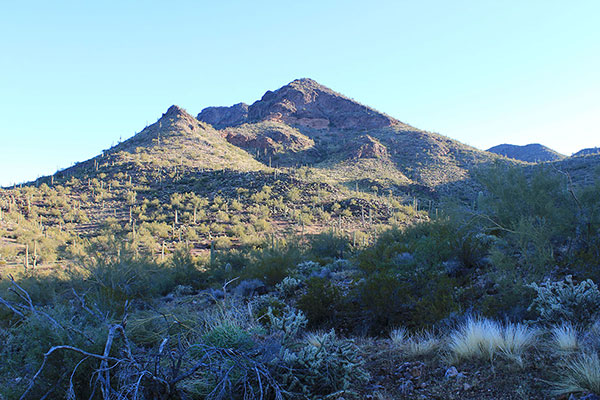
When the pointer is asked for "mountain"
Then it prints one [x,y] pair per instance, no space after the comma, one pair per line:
[302,102]
[302,159]
[176,139]
[343,141]
[586,152]
[534,152]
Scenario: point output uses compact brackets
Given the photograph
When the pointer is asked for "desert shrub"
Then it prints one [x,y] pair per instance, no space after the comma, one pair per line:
[24,347]
[325,365]
[328,246]
[566,301]
[115,281]
[542,218]
[512,195]
[384,300]
[320,301]
[273,264]
[416,299]
[185,271]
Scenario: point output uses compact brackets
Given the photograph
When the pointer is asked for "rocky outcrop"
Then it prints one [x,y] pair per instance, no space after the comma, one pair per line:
[270,137]
[221,117]
[305,102]
[368,147]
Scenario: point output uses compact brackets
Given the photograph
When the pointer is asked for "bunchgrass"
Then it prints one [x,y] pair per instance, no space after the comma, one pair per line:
[480,338]
[416,345]
[581,374]
[565,338]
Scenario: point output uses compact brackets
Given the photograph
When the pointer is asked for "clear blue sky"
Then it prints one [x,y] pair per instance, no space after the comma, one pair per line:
[77,76]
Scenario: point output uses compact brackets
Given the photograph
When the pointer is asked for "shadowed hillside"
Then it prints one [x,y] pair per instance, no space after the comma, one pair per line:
[530,153]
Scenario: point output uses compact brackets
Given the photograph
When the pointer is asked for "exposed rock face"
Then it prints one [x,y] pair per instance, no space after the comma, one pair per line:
[534,152]
[269,136]
[368,147]
[221,117]
[302,102]
[307,103]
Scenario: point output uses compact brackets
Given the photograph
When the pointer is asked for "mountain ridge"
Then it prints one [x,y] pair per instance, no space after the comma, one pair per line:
[533,152]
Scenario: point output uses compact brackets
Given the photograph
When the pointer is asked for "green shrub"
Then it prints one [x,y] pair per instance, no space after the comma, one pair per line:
[229,336]
[328,246]
[320,301]
[272,265]
[116,281]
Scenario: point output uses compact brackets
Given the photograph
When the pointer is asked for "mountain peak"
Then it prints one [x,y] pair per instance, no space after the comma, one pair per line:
[307,83]
[303,102]
[175,111]
[307,102]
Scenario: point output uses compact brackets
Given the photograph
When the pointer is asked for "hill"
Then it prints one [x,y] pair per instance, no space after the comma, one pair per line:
[585,152]
[343,141]
[303,159]
[530,153]
[298,250]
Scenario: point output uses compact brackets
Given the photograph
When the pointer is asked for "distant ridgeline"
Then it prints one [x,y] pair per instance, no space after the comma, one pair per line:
[530,153]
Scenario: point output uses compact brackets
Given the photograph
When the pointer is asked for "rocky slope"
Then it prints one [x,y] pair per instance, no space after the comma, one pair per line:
[306,123]
[534,152]
[176,139]
[302,102]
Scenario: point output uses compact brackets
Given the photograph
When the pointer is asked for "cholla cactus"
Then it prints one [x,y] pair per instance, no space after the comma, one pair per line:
[340,264]
[325,365]
[289,286]
[307,267]
[565,301]
[291,322]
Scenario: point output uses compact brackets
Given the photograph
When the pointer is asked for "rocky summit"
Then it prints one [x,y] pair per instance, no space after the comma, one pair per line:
[301,102]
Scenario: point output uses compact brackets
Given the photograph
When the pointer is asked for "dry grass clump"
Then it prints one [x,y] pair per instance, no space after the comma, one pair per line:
[517,338]
[565,338]
[581,374]
[484,339]
[417,345]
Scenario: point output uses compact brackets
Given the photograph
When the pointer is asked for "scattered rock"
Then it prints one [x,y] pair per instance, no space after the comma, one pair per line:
[451,372]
